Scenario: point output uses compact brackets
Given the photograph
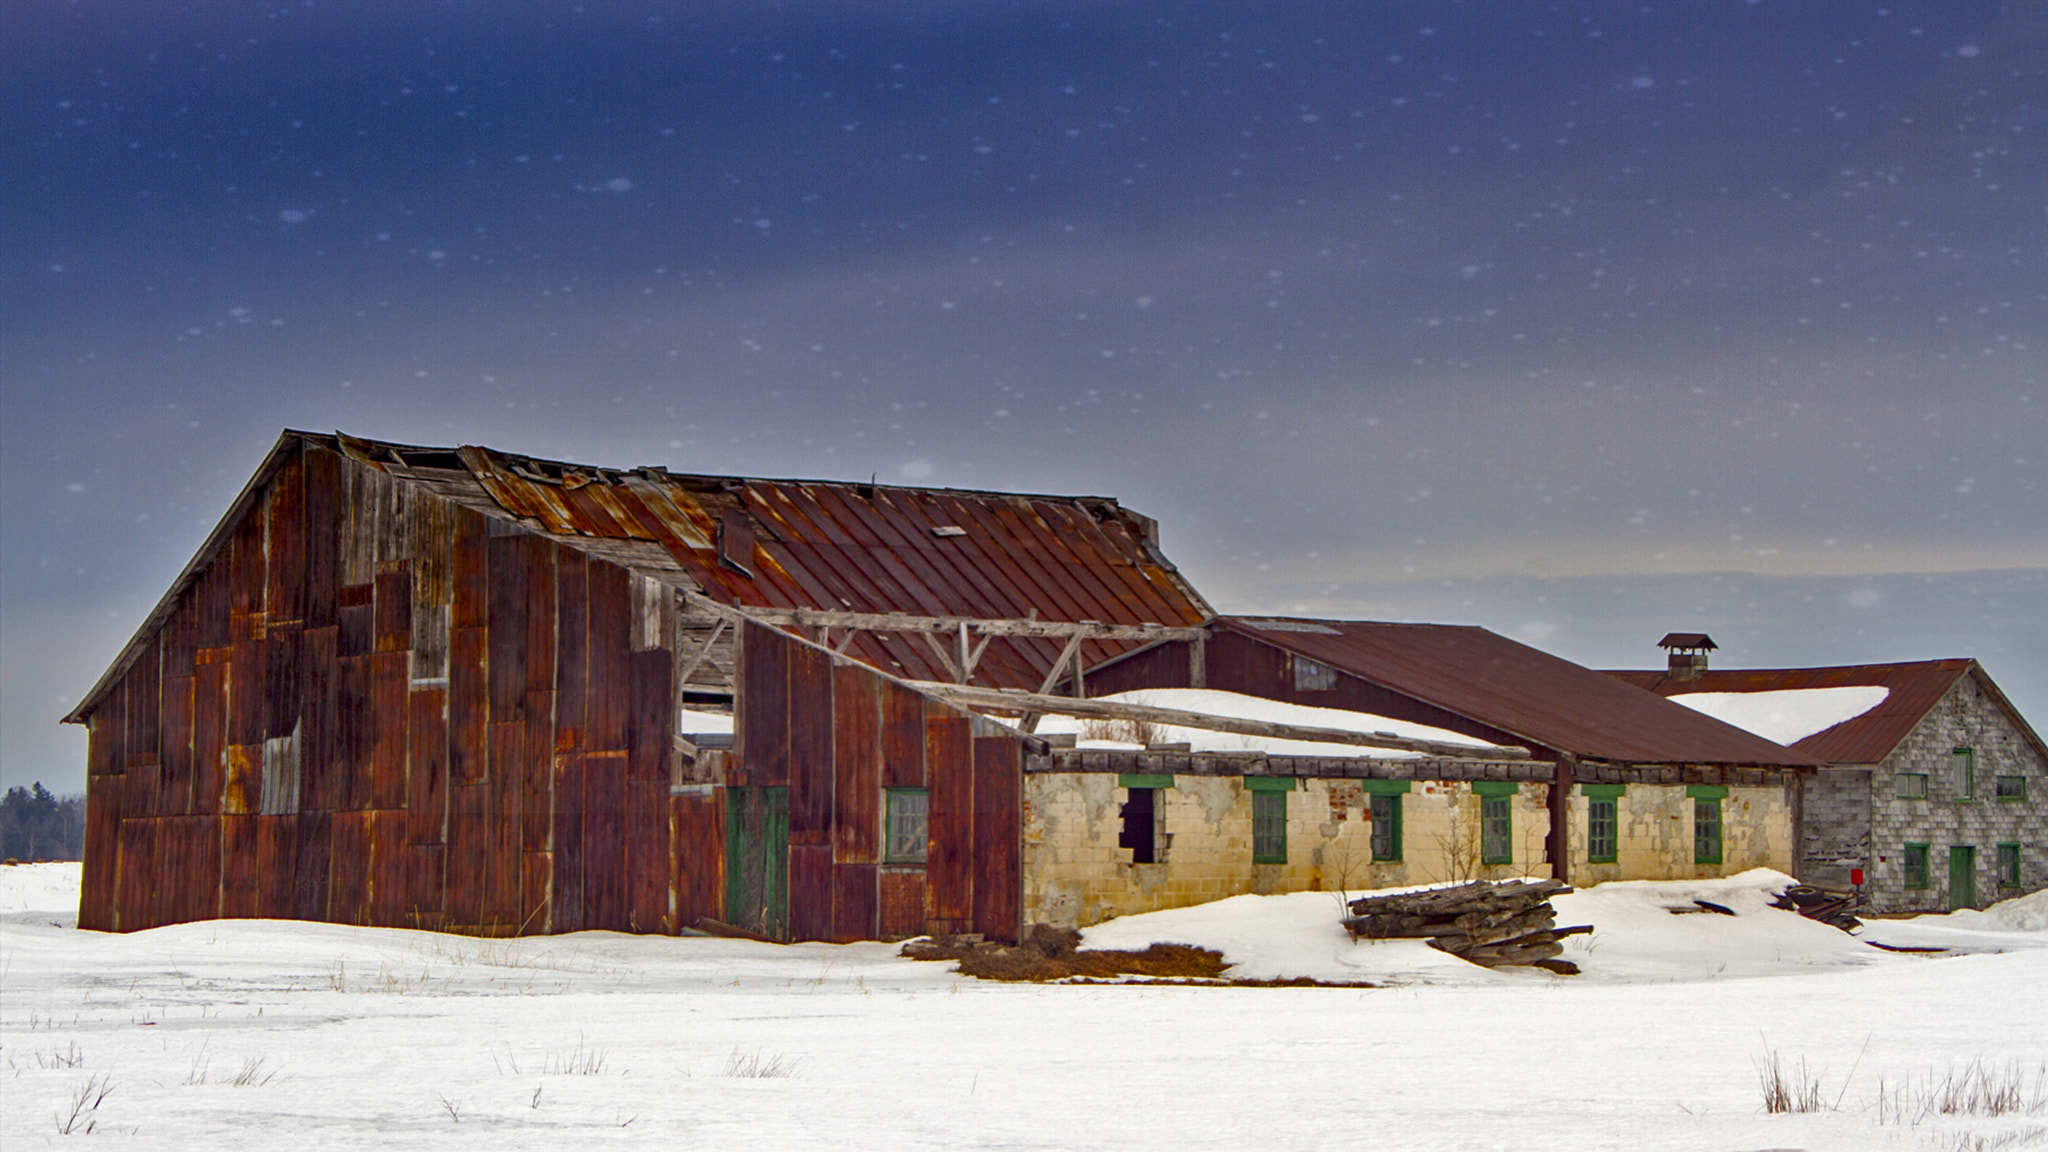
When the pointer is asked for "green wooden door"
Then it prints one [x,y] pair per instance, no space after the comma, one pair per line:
[1962,877]
[757,859]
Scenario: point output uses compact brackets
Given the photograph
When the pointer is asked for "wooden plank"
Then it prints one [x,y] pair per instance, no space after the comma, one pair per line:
[246,578]
[209,735]
[106,751]
[388,860]
[650,724]
[144,694]
[177,752]
[536,774]
[903,751]
[284,593]
[215,607]
[857,768]
[430,540]
[647,855]
[277,865]
[468,846]
[138,842]
[811,773]
[697,844]
[950,766]
[165,885]
[810,892]
[763,706]
[604,872]
[325,781]
[542,558]
[245,692]
[326,520]
[610,635]
[468,706]
[356,615]
[348,895]
[566,909]
[503,869]
[507,584]
[998,837]
[312,873]
[388,718]
[241,867]
[571,663]
[901,896]
[854,899]
[282,665]
[180,636]
[426,887]
[426,796]
[469,571]
[536,877]
[361,726]
[99,895]
[139,791]
[392,623]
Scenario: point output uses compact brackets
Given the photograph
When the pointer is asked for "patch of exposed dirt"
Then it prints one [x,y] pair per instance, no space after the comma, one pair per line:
[1051,954]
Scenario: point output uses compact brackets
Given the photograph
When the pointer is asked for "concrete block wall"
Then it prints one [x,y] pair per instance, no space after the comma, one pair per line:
[1654,834]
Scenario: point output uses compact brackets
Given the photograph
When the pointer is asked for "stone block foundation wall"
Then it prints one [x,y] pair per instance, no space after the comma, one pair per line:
[1654,834]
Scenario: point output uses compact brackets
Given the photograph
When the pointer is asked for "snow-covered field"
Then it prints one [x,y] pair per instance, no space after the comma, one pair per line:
[268,1035]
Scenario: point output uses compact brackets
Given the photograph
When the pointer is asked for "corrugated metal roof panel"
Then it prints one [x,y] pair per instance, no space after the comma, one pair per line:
[1495,681]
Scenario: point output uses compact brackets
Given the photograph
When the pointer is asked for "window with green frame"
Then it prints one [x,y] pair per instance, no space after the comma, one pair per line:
[2008,865]
[908,822]
[1269,827]
[1496,822]
[1916,865]
[1964,763]
[1386,826]
[1912,786]
[1706,823]
[1603,822]
[2012,788]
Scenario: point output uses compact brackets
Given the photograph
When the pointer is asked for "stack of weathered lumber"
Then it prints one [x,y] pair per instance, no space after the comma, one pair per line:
[1489,924]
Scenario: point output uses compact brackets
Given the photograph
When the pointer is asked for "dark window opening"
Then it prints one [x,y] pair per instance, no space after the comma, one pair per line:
[1140,831]
[1313,675]
[1386,827]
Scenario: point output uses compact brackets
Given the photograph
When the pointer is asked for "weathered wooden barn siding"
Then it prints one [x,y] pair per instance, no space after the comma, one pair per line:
[836,734]
[376,706]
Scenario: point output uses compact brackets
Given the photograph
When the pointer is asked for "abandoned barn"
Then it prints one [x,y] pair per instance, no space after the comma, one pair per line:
[463,690]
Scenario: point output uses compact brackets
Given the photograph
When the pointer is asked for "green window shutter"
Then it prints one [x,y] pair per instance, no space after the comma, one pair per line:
[1144,780]
[1706,830]
[2012,789]
[1496,830]
[1269,826]
[1912,786]
[1495,788]
[1384,787]
[1707,791]
[1386,826]
[1602,791]
[1269,783]
[1602,825]
[1964,763]
[908,826]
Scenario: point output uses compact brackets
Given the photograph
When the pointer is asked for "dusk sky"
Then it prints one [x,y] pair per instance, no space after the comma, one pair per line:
[1581,321]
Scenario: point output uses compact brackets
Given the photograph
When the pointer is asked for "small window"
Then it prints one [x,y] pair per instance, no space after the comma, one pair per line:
[1386,827]
[2012,787]
[1496,830]
[1916,865]
[1912,785]
[1313,675]
[910,826]
[1601,828]
[1964,763]
[1706,831]
[2008,865]
[1269,827]
[1141,825]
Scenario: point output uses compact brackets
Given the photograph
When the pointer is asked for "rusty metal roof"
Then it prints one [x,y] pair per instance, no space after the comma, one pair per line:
[1915,688]
[1544,699]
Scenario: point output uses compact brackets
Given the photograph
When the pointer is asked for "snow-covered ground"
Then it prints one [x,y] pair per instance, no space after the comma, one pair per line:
[265,1034]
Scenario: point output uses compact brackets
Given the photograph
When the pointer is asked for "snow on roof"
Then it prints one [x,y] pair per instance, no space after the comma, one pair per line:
[1240,706]
[1787,715]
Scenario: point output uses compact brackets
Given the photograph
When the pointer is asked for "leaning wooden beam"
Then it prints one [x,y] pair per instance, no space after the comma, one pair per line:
[690,669]
[951,625]
[996,699]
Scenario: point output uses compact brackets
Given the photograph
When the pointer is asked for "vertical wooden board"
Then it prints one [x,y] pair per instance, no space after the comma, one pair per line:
[902,737]
[426,887]
[854,902]
[348,895]
[106,750]
[857,766]
[326,520]
[697,842]
[604,868]
[131,912]
[241,867]
[650,723]
[209,735]
[542,557]
[537,774]
[389,720]
[277,865]
[566,908]
[998,837]
[325,781]
[469,587]
[810,892]
[647,858]
[139,791]
[241,789]
[246,577]
[143,697]
[359,722]
[247,661]
[181,635]
[502,866]
[468,707]
[312,875]
[763,706]
[165,883]
[610,627]
[282,663]
[284,596]
[215,606]
[388,857]
[426,777]
[177,751]
[571,662]
[468,848]
[811,774]
[537,877]
[902,899]
[507,592]
[391,616]
[98,893]
[949,762]
[430,541]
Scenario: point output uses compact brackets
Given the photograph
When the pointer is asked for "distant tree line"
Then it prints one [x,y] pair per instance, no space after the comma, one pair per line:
[35,825]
